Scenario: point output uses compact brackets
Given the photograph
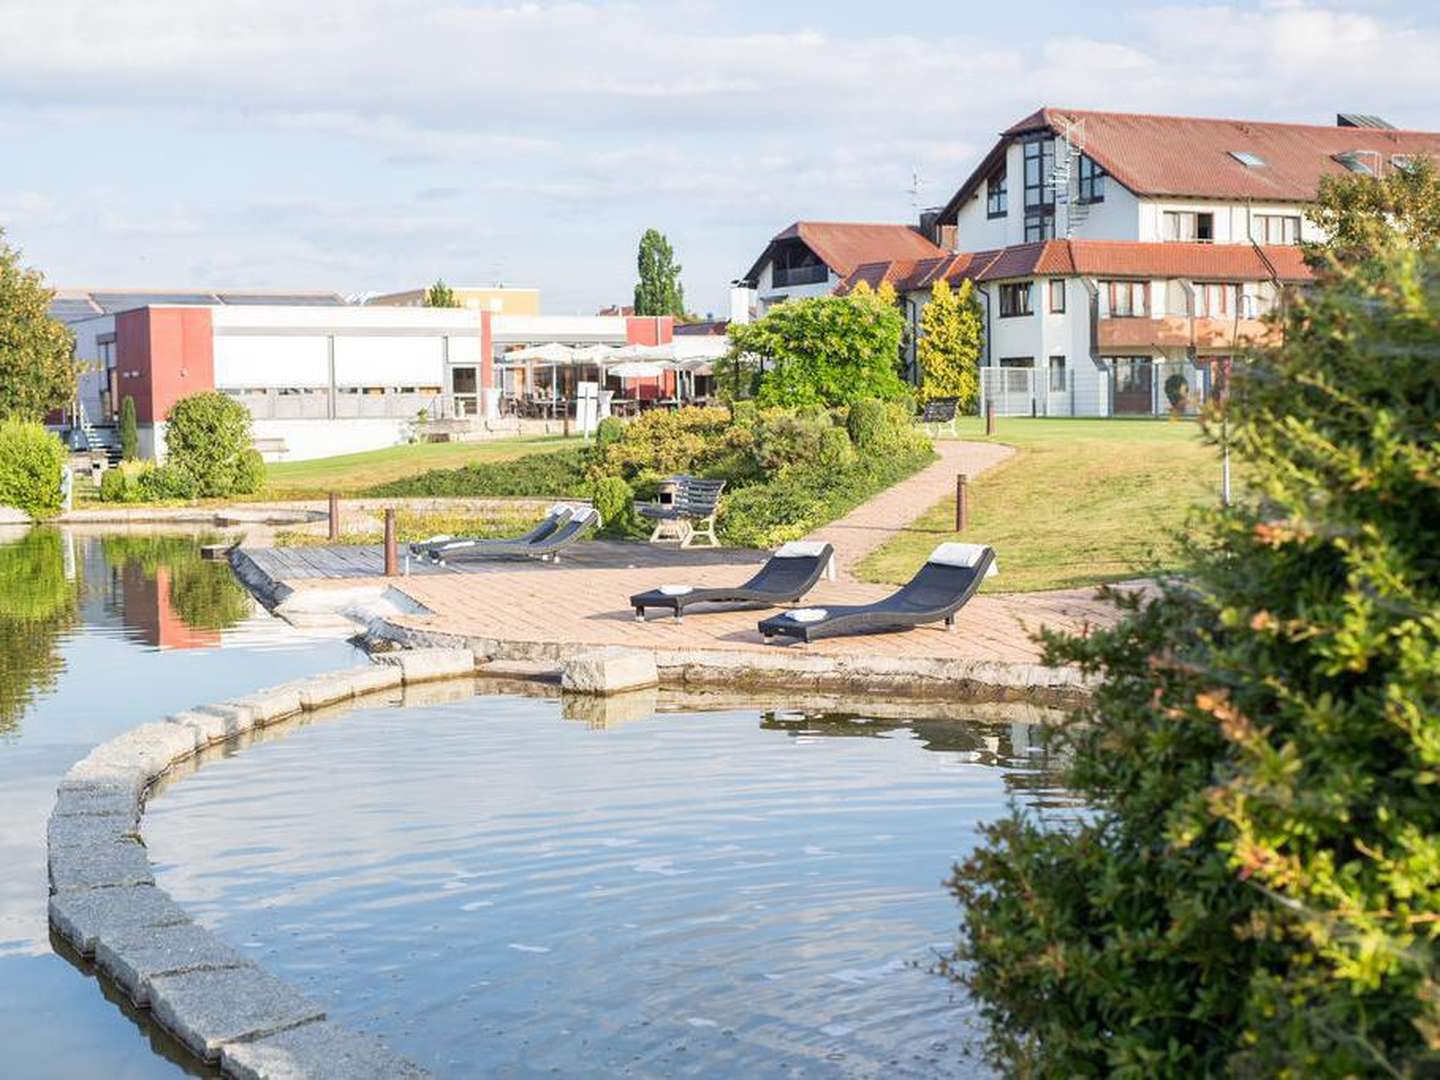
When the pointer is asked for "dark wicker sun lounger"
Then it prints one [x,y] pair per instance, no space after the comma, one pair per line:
[787,576]
[942,587]
[438,548]
[549,547]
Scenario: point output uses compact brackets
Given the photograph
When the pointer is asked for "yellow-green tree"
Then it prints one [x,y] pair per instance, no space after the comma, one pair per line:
[951,333]
[36,373]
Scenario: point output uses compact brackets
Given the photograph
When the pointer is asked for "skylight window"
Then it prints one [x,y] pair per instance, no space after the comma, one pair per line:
[1356,161]
[1244,157]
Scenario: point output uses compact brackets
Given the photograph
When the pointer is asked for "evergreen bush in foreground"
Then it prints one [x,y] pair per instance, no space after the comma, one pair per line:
[31,459]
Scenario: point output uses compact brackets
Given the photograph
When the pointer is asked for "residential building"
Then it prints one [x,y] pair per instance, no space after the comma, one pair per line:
[811,258]
[496,299]
[1121,259]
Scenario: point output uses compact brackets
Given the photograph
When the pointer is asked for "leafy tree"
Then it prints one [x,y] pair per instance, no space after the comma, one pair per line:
[1362,215]
[1258,888]
[658,292]
[441,295]
[31,463]
[951,332]
[206,438]
[36,371]
[129,434]
[827,350]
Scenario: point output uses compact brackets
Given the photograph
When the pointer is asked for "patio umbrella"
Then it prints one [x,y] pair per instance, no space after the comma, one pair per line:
[550,353]
[638,369]
[644,352]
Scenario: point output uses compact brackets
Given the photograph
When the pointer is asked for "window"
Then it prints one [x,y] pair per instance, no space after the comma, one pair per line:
[1214,299]
[1039,190]
[1092,181]
[1057,374]
[1187,225]
[1022,362]
[1275,229]
[1249,160]
[1015,299]
[1127,297]
[995,194]
[1057,296]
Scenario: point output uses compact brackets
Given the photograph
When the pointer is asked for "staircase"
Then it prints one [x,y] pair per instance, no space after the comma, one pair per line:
[98,440]
[1066,175]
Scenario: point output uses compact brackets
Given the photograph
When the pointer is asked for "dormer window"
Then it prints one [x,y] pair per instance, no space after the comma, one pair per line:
[1249,160]
[996,198]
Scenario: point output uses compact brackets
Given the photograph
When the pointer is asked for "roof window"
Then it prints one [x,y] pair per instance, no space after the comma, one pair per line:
[1244,157]
[1363,162]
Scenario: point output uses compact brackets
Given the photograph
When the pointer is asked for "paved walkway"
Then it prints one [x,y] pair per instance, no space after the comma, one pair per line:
[872,523]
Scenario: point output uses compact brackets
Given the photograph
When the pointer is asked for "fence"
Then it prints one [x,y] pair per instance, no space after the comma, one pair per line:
[316,404]
[1023,391]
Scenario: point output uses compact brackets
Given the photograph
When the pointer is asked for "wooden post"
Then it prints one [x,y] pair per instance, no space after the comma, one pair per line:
[392,561]
[962,503]
[334,516]
[989,418]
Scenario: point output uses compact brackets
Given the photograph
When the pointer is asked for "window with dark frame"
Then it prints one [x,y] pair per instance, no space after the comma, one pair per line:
[996,201]
[1014,299]
[1039,156]
[1127,298]
[1092,181]
[1057,296]
[1057,374]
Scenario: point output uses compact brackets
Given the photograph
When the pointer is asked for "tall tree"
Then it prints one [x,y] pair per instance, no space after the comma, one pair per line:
[1361,215]
[658,292]
[951,329]
[441,295]
[36,370]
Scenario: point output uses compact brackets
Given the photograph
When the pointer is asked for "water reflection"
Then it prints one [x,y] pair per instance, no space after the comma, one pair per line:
[39,598]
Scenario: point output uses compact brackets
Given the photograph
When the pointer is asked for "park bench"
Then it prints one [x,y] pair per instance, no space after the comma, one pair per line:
[690,514]
[939,415]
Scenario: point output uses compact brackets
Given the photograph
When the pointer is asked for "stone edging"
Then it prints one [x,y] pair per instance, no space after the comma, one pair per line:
[104,900]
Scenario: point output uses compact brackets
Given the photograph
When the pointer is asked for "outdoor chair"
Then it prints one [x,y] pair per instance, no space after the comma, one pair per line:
[787,576]
[439,548]
[942,587]
[690,516]
[549,547]
[939,415]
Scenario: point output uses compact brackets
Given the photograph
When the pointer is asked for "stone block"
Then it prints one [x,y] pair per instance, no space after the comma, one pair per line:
[207,1009]
[423,665]
[609,671]
[240,718]
[98,778]
[208,728]
[150,748]
[83,830]
[99,864]
[133,960]
[320,1049]
[336,686]
[84,802]
[83,918]
[271,704]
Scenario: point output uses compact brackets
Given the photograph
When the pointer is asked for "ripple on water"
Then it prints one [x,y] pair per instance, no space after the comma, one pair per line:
[494,888]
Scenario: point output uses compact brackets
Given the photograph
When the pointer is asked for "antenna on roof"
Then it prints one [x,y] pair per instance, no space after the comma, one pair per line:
[916,188]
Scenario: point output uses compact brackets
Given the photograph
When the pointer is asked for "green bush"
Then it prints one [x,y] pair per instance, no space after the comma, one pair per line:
[612,497]
[744,413]
[836,451]
[207,435]
[31,460]
[664,442]
[250,473]
[868,423]
[785,440]
[559,475]
[162,483]
[113,485]
[608,432]
[129,432]
[1256,890]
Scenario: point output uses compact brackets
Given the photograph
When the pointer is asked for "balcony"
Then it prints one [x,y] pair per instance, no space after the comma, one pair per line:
[786,276]
[1175,331]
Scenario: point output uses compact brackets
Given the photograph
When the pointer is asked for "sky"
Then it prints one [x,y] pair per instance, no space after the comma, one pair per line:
[376,145]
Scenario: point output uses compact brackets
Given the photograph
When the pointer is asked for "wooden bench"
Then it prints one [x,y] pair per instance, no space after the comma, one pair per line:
[940,414]
[691,514]
[273,445]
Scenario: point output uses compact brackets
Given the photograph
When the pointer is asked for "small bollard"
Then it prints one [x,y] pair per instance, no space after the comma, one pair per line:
[962,503]
[392,559]
[990,418]
[334,516]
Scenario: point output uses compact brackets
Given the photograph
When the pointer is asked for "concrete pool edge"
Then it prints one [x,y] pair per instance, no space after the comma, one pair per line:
[225,1009]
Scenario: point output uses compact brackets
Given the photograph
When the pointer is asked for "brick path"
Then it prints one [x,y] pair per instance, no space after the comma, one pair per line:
[873,523]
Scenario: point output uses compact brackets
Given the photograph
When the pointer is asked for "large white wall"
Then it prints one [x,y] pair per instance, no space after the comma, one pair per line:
[265,360]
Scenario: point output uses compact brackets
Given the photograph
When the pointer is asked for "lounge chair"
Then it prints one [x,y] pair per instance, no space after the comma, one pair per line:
[787,576]
[549,547]
[690,516]
[438,548]
[942,587]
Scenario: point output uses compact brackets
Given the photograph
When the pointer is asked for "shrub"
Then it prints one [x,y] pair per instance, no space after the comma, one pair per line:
[744,413]
[162,483]
[129,433]
[836,451]
[607,432]
[1256,891]
[559,474]
[250,473]
[664,442]
[1177,390]
[206,436]
[868,424]
[612,497]
[113,485]
[785,440]
[31,460]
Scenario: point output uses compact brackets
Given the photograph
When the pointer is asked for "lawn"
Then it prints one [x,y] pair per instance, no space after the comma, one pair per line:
[1082,502]
[351,474]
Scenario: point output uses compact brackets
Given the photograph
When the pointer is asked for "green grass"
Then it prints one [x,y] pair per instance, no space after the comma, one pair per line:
[352,474]
[1081,503]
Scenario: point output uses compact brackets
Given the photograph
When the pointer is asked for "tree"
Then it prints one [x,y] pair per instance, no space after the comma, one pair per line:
[1362,215]
[37,374]
[129,433]
[951,331]
[441,295]
[658,292]
[207,437]
[1257,888]
[826,350]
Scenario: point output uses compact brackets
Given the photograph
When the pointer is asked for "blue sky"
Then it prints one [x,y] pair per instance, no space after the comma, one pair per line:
[378,144]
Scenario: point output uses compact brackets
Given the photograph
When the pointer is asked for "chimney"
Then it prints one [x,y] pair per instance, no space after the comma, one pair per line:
[741,296]
[928,220]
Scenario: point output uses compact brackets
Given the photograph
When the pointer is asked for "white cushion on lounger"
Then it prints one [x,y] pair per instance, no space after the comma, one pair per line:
[438,539]
[676,590]
[808,614]
[800,549]
[956,554]
[558,508]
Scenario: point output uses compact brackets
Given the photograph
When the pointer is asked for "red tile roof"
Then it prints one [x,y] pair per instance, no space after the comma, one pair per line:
[1093,258]
[844,245]
[1191,156]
